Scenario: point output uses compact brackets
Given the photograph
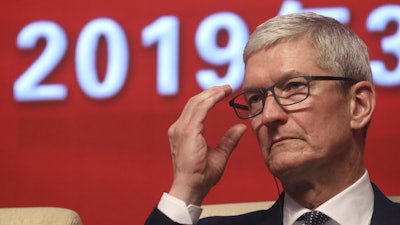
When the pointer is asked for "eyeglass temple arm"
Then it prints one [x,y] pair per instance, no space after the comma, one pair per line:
[238,106]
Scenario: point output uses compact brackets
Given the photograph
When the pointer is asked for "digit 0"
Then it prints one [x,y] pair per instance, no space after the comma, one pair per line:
[117,63]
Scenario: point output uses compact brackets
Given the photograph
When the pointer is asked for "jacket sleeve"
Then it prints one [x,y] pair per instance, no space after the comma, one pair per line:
[158,218]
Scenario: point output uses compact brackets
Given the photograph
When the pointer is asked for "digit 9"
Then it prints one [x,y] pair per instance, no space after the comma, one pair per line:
[206,41]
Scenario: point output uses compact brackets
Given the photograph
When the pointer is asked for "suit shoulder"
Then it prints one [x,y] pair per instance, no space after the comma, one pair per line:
[385,211]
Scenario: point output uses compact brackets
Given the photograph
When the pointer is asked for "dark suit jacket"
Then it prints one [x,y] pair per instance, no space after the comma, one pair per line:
[385,212]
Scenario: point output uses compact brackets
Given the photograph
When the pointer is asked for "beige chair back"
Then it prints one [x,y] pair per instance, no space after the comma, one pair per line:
[38,216]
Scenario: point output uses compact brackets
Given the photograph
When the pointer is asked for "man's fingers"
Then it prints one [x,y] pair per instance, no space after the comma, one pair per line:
[190,122]
[198,106]
[196,169]
[231,138]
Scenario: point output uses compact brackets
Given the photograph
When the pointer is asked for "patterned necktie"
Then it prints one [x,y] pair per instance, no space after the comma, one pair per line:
[315,218]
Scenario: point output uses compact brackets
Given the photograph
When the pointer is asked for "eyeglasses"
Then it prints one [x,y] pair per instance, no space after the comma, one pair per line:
[286,92]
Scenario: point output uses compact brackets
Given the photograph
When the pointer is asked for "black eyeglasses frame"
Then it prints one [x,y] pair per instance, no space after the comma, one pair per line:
[236,106]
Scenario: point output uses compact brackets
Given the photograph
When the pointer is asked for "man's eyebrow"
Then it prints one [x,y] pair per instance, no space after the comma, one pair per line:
[285,75]
[252,88]
[292,73]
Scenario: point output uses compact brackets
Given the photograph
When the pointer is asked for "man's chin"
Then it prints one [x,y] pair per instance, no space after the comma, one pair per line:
[284,169]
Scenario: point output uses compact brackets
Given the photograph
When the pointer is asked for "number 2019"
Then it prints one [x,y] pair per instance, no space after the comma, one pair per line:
[164,32]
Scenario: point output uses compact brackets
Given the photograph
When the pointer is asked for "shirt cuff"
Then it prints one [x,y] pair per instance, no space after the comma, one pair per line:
[177,211]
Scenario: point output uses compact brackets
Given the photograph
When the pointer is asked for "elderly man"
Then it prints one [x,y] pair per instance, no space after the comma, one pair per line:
[309,95]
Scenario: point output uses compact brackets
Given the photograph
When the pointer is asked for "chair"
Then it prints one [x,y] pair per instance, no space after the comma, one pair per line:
[230,209]
[38,216]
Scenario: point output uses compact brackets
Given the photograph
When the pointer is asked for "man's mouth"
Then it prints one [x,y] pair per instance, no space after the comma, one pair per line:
[280,140]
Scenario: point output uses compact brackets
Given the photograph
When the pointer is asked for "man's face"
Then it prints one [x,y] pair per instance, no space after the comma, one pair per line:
[312,135]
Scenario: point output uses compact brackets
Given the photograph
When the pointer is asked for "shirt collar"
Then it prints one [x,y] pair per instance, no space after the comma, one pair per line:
[357,199]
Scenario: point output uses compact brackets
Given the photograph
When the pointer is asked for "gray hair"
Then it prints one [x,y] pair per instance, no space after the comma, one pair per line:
[339,50]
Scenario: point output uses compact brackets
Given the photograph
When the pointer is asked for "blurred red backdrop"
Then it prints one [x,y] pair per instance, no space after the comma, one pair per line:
[100,146]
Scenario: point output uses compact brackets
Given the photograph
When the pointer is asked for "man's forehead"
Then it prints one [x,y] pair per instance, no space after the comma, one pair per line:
[285,59]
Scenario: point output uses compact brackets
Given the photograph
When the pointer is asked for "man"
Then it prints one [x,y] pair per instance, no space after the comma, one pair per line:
[309,95]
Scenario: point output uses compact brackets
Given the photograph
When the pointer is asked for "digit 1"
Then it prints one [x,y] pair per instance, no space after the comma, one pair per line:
[165,32]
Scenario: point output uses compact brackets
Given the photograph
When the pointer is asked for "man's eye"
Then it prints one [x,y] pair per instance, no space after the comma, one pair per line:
[292,86]
[254,99]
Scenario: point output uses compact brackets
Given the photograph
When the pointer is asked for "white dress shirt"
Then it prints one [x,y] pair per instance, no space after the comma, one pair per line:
[177,210]
[352,206]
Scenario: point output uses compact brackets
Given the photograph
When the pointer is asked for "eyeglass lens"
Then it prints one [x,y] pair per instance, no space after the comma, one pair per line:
[286,92]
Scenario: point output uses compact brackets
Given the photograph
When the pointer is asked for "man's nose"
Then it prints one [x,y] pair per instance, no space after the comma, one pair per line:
[273,113]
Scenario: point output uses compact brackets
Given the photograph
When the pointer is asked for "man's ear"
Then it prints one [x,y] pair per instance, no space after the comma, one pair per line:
[362,104]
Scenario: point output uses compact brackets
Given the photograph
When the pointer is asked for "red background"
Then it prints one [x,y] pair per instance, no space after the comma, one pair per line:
[109,159]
